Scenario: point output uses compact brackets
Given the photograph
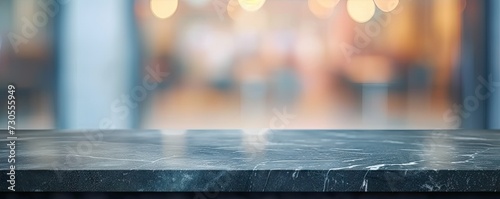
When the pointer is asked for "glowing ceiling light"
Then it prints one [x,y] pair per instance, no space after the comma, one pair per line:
[361,10]
[328,3]
[164,8]
[387,5]
[251,5]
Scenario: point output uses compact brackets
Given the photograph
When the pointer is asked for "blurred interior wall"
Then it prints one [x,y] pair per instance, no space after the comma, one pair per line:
[427,51]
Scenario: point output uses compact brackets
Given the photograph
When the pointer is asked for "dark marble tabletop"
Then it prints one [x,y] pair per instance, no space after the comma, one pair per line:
[255,160]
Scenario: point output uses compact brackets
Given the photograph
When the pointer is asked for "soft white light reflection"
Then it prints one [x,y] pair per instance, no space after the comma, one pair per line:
[255,141]
[387,5]
[361,10]
[164,8]
[251,5]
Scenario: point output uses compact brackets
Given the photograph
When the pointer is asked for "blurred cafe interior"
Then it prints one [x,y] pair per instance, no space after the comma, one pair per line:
[235,64]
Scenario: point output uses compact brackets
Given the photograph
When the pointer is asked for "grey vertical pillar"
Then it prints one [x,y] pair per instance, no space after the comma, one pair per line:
[473,108]
[94,65]
[494,103]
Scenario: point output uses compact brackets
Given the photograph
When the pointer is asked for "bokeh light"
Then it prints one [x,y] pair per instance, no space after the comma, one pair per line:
[251,5]
[361,10]
[230,67]
[387,5]
[164,8]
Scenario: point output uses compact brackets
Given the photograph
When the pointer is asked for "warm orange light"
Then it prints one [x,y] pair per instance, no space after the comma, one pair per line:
[361,10]
[164,8]
[387,5]
[251,5]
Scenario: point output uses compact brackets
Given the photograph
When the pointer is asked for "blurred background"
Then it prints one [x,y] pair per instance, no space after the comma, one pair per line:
[226,64]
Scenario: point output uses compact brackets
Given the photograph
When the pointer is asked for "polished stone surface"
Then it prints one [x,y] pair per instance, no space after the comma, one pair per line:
[256,160]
